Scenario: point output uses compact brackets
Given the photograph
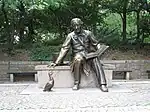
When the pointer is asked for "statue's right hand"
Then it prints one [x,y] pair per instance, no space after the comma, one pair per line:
[52,65]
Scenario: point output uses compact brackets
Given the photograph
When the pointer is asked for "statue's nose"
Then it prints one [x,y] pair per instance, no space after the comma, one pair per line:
[76,27]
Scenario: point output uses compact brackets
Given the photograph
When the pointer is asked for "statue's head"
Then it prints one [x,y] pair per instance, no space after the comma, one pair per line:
[76,24]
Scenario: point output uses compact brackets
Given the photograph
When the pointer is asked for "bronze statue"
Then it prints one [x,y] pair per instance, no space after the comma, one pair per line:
[83,44]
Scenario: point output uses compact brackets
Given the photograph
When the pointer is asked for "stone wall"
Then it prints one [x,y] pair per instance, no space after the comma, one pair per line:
[138,67]
[3,70]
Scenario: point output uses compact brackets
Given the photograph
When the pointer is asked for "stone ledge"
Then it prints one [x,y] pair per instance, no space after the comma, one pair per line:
[45,67]
[64,78]
[67,67]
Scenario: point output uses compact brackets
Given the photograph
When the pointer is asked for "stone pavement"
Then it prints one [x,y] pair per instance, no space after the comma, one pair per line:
[134,98]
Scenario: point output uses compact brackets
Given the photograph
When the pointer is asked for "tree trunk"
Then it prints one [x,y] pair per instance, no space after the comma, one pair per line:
[95,15]
[138,27]
[21,22]
[124,20]
[124,27]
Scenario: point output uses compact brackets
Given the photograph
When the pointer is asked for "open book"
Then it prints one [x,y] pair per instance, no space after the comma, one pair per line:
[101,50]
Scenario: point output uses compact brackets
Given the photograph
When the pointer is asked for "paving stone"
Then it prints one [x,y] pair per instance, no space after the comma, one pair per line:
[90,100]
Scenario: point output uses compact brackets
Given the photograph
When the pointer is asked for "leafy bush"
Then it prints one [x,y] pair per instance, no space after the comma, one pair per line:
[39,52]
[109,36]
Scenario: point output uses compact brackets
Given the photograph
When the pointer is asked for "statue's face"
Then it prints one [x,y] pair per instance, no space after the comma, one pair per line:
[76,24]
[77,27]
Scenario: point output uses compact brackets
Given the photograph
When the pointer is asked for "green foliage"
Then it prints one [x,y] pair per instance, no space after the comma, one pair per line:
[109,36]
[40,52]
[48,22]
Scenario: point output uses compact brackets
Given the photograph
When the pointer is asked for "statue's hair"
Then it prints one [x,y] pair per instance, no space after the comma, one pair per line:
[76,20]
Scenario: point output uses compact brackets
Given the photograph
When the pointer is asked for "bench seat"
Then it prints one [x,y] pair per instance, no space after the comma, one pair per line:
[127,75]
[12,74]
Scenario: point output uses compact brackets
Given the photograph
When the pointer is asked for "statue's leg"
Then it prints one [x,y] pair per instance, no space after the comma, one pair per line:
[99,71]
[78,59]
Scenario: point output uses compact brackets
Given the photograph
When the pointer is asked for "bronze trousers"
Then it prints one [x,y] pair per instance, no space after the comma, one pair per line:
[95,65]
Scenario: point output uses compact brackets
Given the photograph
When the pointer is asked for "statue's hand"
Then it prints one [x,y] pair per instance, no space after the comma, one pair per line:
[52,65]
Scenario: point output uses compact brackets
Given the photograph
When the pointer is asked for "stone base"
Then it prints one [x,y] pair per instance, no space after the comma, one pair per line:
[63,77]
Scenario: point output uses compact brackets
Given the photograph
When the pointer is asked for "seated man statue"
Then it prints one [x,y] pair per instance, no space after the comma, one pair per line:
[82,43]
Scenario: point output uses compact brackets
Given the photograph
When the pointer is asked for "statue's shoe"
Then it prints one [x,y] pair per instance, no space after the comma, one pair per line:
[104,88]
[75,87]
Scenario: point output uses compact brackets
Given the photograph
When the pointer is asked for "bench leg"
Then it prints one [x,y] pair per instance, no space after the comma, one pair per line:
[127,76]
[36,78]
[11,77]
